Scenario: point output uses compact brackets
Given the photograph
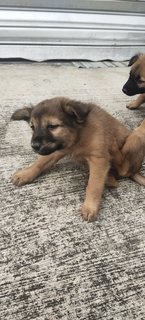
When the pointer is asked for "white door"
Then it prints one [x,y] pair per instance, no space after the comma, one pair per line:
[84,30]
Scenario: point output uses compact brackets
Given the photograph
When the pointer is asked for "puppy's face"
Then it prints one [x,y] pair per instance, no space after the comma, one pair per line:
[56,123]
[136,82]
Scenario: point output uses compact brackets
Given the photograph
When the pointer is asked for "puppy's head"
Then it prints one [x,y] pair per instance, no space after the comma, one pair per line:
[136,81]
[56,123]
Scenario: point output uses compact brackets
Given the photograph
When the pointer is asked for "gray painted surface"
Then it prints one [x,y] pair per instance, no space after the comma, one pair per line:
[52,264]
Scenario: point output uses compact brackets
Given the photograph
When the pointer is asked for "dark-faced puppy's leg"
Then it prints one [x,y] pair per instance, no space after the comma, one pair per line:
[136,103]
[98,171]
[41,165]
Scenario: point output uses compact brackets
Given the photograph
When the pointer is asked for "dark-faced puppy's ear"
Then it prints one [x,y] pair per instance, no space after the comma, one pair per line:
[134,59]
[22,114]
[76,110]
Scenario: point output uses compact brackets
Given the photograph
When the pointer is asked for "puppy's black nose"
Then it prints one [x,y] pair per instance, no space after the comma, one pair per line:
[124,90]
[35,145]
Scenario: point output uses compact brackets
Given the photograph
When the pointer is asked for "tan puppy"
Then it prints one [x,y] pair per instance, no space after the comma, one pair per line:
[85,132]
[136,82]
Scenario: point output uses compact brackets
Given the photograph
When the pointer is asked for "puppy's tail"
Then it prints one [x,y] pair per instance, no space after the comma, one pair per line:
[137,177]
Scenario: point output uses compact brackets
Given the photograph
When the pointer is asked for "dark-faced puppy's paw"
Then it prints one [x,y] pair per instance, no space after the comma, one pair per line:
[132,105]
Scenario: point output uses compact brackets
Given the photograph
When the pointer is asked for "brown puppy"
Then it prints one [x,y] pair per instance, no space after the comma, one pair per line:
[136,82]
[129,159]
[85,132]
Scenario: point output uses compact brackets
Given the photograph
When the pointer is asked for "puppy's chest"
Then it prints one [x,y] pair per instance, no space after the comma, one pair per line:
[78,157]
[81,154]
[78,153]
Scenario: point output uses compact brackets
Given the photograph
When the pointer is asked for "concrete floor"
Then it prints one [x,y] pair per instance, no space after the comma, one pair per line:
[53,264]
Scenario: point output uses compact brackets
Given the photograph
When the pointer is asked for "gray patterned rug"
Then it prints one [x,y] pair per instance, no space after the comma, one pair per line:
[53,265]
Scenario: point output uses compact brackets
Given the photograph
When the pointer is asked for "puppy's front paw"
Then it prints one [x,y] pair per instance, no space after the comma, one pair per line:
[22,177]
[89,212]
[132,105]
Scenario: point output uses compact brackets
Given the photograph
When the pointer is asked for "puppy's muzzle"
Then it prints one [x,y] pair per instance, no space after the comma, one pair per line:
[129,90]
[48,148]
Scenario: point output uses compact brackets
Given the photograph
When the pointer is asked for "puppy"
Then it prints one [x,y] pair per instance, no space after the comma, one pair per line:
[85,132]
[136,82]
[129,159]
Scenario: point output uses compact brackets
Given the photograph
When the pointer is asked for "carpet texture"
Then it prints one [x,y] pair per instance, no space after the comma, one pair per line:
[53,265]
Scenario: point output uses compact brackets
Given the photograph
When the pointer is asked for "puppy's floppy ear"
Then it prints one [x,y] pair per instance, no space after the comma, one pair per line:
[76,110]
[22,114]
[134,59]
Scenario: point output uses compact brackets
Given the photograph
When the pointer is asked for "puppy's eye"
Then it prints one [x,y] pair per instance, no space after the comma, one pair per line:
[52,126]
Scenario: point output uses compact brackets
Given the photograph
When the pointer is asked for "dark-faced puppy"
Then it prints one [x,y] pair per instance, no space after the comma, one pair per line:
[85,132]
[136,82]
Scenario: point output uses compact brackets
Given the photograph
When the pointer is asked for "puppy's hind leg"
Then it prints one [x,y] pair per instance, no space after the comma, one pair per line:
[111,181]
[137,177]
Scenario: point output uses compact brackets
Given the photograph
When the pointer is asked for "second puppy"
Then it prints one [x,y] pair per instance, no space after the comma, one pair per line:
[136,81]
